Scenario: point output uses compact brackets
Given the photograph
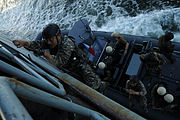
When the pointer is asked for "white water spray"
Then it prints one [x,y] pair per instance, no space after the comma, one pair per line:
[24,19]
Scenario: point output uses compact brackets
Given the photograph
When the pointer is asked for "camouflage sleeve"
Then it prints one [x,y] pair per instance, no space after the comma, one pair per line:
[162,42]
[153,91]
[37,45]
[143,91]
[120,39]
[64,53]
[162,59]
[145,57]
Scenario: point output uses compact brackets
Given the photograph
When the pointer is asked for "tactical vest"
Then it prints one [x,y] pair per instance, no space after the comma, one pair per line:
[78,58]
[154,64]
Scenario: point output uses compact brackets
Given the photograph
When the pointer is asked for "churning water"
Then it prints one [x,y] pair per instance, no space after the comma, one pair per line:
[23,19]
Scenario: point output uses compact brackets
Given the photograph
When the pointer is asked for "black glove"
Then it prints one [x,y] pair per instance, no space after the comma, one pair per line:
[38,52]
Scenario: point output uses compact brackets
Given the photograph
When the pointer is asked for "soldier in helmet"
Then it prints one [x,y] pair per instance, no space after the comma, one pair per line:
[137,91]
[121,44]
[166,46]
[153,62]
[63,53]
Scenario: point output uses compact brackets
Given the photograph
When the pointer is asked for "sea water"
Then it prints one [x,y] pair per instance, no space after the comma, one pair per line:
[24,19]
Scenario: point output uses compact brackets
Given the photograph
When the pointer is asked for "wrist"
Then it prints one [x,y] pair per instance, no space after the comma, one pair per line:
[26,44]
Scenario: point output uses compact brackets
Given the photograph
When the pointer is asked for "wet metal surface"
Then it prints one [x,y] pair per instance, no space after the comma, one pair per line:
[11,107]
[43,73]
[116,110]
[7,68]
[42,97]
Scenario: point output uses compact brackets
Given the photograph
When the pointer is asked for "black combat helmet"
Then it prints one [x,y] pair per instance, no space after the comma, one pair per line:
[134,79]
[50,30]
[169,36]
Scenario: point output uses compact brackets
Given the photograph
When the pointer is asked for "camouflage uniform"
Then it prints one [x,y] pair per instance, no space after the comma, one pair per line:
[141,97]
[121,42]
[153,62]
[120,47]
[63,57]
[166,47]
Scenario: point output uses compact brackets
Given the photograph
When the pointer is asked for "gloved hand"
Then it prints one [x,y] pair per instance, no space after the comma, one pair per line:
[38,52]
[47,55]
[20,43]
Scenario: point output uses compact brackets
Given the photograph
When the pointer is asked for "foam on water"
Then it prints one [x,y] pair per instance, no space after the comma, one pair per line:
[150,24]
[8,4]
[24,19]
